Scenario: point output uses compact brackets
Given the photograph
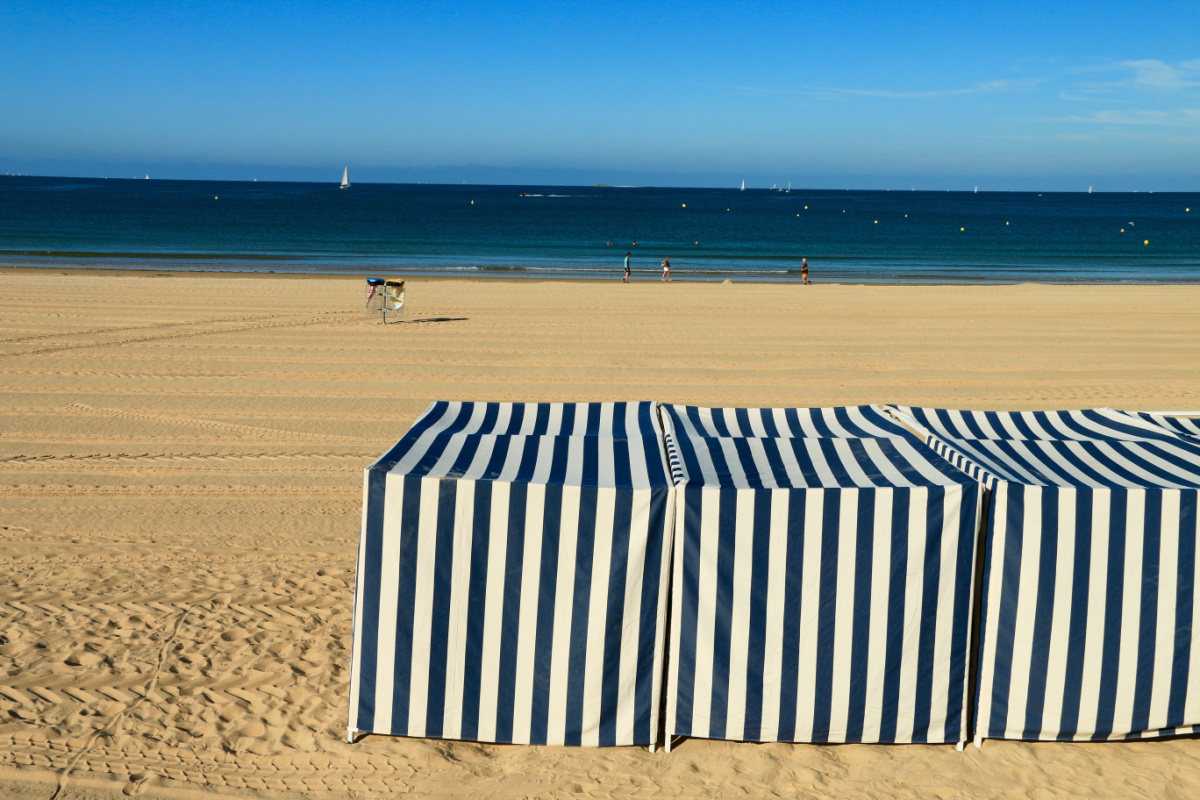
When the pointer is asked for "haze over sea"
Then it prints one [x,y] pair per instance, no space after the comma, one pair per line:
[565,231]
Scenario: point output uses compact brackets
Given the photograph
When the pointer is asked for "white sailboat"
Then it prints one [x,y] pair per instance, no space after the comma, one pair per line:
[789,189]
[743,186]
[346,178]
[1089,190]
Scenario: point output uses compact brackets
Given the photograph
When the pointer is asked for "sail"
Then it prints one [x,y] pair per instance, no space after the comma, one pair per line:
[346,178]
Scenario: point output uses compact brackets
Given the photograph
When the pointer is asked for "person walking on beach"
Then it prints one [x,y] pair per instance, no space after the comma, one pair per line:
[666,268]
[804,271]
[626,278]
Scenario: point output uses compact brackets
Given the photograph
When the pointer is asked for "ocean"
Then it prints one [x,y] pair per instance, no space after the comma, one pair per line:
[585,231]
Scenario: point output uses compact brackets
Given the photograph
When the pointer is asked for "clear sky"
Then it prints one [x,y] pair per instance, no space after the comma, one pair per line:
[852,94]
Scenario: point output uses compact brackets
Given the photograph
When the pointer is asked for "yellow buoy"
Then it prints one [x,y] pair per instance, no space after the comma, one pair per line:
[962,229]
[1006,223]
[685,205]
[216,198]
[472,202]
[805,208]
[876,222]
[1146,242]
[906,216]
[1122,230]
[1186,209]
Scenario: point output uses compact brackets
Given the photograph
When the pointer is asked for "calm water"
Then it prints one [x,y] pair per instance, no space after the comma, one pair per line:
[564,231]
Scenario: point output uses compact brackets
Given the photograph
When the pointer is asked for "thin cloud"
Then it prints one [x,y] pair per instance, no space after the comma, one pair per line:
[984,87]
[1149,75]
[1177,117]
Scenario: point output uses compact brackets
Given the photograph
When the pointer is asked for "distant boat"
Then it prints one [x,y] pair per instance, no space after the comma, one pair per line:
[1089,190]
[346,178]
[743,186]
[976,190]
[789,189]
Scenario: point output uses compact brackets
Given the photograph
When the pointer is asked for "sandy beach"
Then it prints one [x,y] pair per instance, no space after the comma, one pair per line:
[181,465]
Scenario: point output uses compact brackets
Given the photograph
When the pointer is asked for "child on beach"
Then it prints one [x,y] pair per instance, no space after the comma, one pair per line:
[666,265]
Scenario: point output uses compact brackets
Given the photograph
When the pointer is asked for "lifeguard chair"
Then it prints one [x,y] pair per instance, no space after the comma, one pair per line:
[384,297]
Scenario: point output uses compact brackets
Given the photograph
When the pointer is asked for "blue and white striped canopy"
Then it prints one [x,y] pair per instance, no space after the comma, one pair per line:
[511,582]
[1094,449]
[1176,424]
[1089,596]
[822,581]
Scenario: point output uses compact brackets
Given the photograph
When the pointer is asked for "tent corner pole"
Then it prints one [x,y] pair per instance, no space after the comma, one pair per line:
[978,741]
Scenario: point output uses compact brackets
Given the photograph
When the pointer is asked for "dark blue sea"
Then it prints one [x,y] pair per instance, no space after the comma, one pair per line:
[585,231]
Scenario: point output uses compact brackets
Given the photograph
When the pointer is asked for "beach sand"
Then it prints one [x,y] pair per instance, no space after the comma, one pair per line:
[181,465]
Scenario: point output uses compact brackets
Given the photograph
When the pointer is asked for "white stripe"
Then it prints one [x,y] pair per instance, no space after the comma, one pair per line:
[460,592]
[676,603]
[1093,653]
[631,617]
[360,592]
[943,641]
[874,450]
[776,593]
[1131,611]
[593,674]
[881,580]
[850,464]
[1164,638]
[389,590]
[996,550]
[531,572]
[493,621]
[1026,617]
[757,428]
[914,591]
[544,461]
[564,603]
[503,418]
[739,645]
[706,612]
[423,607]
[810,601]
[1060,621]
[607,412]
[843,625]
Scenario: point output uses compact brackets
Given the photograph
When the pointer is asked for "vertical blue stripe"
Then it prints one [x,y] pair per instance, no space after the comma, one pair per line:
[648,619]
[826,614]
[690,498]
[406,569]
[544,638]
[511,614]
[439,629]
[897,588]
[793,594]
[1077,628]
[932,566]
[1148,625]
[860,643]
[491,412]
[585,554]
[759,569]
[477,602]
[960,639]
[1111,651]
[1185,598]
[1010,591]
[768,422]
[723,627]
[1043,615]
[370,576]
[614,616]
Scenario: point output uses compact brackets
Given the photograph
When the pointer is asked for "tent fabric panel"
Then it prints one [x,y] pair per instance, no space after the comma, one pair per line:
[634,463]
[1158,460]
[1188,426]
[513,613]
[629,420]
[784,462]
[1088,616]
[845,422]
[1086,424]
[838,615]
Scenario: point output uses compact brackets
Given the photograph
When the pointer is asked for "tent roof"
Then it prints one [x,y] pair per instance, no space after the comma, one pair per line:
[586,445]
[825,460]
[845,422]
[1098,448]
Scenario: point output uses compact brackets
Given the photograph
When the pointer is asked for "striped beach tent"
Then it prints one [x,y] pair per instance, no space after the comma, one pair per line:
[822,579]
[1187,422]
[1089,603]
[511,577]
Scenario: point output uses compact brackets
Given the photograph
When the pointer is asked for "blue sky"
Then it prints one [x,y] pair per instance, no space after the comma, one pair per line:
[1037,95]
